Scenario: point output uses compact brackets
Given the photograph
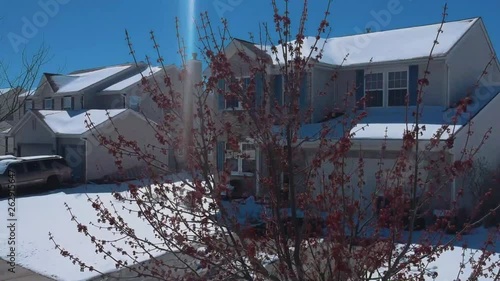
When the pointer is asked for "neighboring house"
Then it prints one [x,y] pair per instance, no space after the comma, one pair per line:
[11,110]
[119,88]
[66,133]
[382,67]
[110,87]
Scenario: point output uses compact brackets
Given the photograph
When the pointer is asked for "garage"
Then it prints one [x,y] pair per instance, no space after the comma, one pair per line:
[24,149]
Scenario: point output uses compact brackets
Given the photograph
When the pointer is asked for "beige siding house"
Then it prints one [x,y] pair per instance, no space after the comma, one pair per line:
[381,68]
[68,133]
[11,111]
[120,90]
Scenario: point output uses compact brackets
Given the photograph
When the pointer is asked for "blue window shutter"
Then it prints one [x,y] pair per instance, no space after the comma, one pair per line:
[221,85]
[278,89]
[221,147]
[360,85]
[303,100]
[413,84]
[259,89]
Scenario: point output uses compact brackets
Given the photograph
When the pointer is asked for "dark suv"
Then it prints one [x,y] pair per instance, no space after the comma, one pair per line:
[47,170]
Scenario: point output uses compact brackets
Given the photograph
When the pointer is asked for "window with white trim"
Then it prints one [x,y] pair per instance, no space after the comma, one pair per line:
[232,101]
[386,88]
[242,161]
[48,103]
[67,103]
[397,88]
[374,88]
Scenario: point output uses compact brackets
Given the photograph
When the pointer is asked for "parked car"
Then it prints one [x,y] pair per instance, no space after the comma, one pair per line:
[45,170]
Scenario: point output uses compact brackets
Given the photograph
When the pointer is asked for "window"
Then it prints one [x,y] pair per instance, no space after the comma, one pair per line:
[397,88]
[28,105]
[9,117]
[81,102]
[232,101]
[242,161]
[67,103]
[386,88]
[16,168]
[135,103]
[374,85]
[33,166]
[48,103]
[55,164]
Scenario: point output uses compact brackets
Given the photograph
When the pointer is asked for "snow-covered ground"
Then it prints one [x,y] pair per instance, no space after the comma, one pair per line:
[37,215]
[460,263]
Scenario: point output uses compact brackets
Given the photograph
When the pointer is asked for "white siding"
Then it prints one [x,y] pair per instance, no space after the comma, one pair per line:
[346,81]
[467,61]
[101,163]
[323,93]
[435,92]
[367,170]
[480,125]
[34,132]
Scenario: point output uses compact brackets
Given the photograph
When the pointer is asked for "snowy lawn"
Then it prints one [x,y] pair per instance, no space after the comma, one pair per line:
[40,214]
[459,263]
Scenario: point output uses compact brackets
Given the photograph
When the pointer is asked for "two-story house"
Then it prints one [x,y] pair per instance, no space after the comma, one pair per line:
[110,87]
[381,68]
[57,115]
[11,109]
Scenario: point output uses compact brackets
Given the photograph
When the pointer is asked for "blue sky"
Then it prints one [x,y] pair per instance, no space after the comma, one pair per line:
[89,33]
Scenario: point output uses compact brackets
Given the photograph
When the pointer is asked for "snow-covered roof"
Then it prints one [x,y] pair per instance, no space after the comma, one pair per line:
[4,90]
[391,122]
[384,46]
[5,127]
[27,93]
[136,79]
[79,81]
[386,123]
[19,91]
[74,122]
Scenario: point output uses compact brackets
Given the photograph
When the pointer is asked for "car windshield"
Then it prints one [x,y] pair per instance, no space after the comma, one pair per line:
[5,163]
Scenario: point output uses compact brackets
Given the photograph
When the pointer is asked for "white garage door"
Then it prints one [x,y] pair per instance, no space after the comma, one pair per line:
[35,149]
